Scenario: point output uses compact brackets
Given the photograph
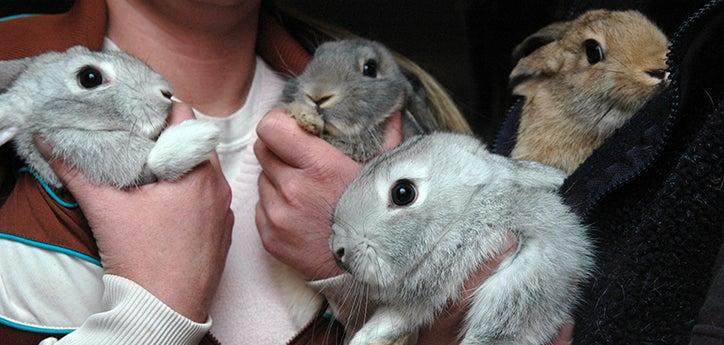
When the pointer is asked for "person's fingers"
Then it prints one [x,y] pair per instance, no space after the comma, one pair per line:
[565,337]
[488,268]
[276,170]
[393,131]
[281,134]
[180,112]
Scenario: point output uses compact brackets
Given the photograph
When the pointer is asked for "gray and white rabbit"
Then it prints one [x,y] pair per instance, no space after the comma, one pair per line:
[104,113]
[420,219]
[348,90]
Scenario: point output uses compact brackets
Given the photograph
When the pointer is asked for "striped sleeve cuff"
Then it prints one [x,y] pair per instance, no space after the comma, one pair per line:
[136,317]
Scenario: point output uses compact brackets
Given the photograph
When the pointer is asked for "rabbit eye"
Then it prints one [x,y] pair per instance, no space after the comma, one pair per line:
[403,193]
[369,69]
[90,77]
[594,52]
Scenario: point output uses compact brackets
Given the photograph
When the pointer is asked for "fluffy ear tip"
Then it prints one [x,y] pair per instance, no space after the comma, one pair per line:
[7,134]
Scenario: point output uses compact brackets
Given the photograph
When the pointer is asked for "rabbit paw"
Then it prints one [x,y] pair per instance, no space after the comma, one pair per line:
[377,340]
[307,117]
[181,147]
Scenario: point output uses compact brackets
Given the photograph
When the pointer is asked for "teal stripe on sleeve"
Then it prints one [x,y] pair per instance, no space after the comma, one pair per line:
[34,329]
[52,248]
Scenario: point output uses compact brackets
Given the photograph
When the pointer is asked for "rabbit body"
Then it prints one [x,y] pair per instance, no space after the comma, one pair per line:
[103,113]
[411,261]
[348,90]
[582,80]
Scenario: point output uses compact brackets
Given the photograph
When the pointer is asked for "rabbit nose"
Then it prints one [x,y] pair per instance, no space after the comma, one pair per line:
[339,254]
[166,93]
[339,259]
[657,73]
[320,100]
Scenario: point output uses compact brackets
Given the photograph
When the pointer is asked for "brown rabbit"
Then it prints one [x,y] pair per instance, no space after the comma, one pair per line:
[582,80]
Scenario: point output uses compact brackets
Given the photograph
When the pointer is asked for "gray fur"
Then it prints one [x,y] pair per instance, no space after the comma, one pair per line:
[353,120]
[411,261]
[108,132]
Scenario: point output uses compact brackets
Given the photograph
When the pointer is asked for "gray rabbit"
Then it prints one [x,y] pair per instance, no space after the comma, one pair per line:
[348,90]
[104,113]
[422,218]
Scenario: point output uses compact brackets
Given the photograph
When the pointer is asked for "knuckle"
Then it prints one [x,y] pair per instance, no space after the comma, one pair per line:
[276,217]
[290,190]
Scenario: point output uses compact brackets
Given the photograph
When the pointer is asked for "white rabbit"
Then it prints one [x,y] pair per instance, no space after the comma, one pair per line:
[419,220]
[101,112]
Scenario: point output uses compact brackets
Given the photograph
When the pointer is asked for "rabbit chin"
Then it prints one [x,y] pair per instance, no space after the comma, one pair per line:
[153,123]
[367,266]
[341,130]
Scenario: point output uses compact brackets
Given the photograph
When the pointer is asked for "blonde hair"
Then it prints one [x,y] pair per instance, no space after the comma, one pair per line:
[314,32]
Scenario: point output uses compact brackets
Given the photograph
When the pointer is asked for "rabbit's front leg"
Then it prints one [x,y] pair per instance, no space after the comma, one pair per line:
[307,117]
[181,147]
[385,327]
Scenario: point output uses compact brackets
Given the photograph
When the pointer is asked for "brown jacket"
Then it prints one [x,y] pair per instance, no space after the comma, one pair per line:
[28,211]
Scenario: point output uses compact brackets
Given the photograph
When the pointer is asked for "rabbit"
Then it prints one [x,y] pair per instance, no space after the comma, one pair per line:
[104,113]
[348,90]
[582,80]
[420,219]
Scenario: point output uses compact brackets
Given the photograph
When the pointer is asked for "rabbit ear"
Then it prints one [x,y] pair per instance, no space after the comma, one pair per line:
[538,175]
[539,39]
[8,130]
[7,133]
[10,69]
[538,55]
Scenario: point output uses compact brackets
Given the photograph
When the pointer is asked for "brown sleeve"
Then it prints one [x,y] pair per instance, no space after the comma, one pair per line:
[709,329]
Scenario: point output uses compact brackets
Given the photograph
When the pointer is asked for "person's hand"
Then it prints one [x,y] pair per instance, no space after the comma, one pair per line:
[303,178]
[445,329]
[171,238]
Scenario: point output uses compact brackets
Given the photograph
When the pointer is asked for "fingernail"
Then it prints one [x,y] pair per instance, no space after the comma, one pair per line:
[175,99]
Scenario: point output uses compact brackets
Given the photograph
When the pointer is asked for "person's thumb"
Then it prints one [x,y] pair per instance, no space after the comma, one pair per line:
[180,112]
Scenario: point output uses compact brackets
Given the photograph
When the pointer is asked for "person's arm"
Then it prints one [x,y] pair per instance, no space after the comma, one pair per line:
[163,247]
[709,329]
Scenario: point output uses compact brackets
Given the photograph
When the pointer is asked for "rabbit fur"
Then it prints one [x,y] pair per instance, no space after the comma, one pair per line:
[410,261]
[335,99]
[572,104]
[113,133]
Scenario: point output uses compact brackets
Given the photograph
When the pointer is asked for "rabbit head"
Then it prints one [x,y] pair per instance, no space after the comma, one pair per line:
[84,90]
[393,214]
[353,84]
[602,66]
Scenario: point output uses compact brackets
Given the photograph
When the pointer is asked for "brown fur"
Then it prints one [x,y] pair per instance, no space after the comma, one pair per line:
[571,105]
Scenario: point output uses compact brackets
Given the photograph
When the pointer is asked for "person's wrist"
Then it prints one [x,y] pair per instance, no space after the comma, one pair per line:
[177,291]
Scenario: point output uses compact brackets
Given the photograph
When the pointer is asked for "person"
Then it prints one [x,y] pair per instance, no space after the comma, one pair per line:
[164,246]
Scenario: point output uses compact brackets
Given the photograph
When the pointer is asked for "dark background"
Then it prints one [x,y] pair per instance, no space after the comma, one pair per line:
[465,44]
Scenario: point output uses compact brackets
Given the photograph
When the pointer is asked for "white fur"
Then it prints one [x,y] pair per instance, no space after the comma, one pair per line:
[406,263]
[107,132]
[182,147]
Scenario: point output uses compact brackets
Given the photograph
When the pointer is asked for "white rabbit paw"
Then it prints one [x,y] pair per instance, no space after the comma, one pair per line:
[369,339]
[181,147]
